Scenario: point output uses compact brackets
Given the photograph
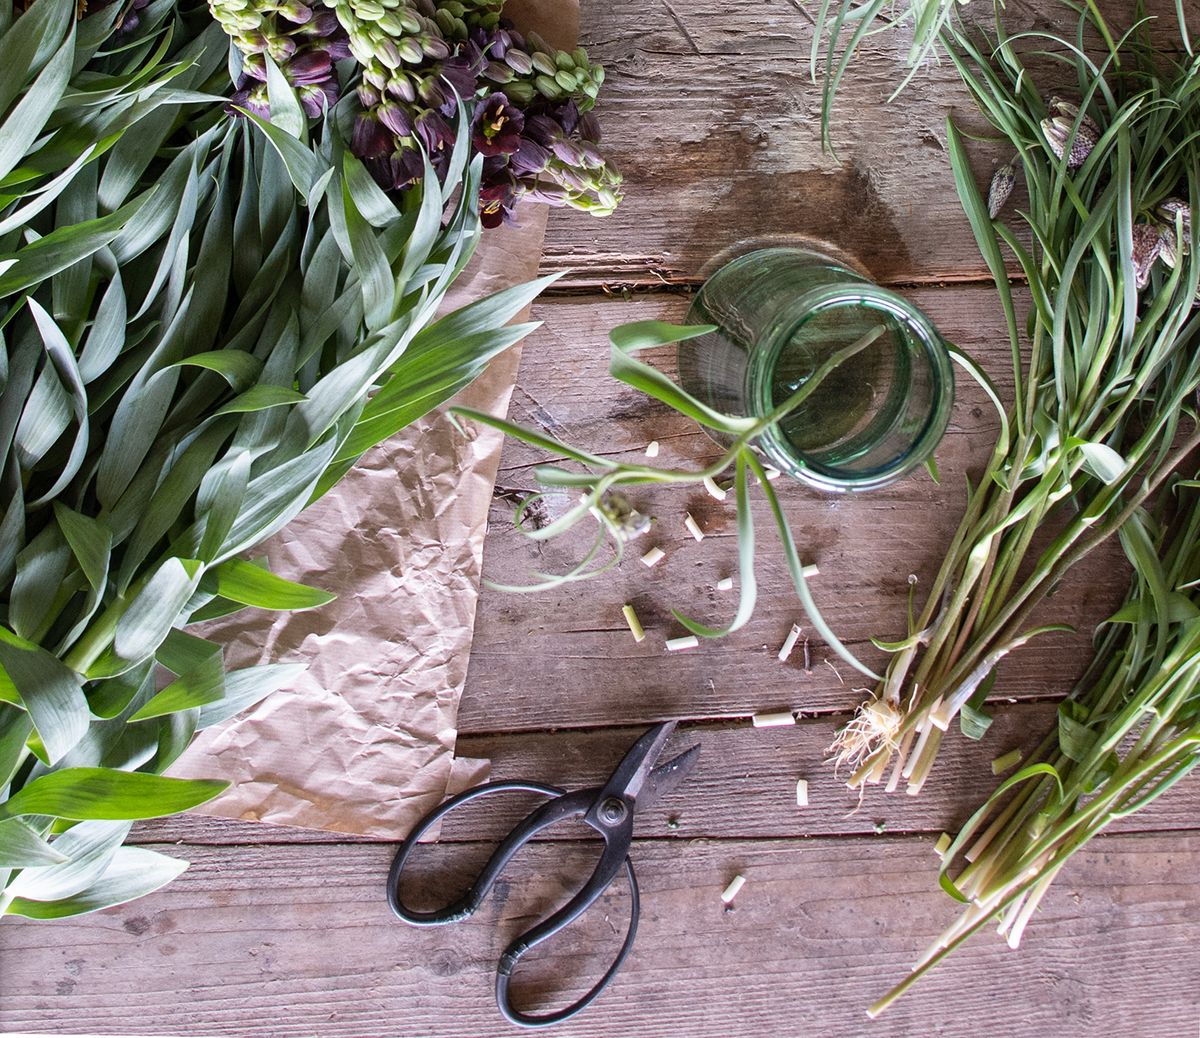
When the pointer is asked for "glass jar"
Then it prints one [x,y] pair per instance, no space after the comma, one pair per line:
[781,313]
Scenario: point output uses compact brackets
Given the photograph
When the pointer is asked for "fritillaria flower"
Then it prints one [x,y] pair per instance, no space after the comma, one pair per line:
[1062,135]
[496,127]
[1147,247]
[1003,182]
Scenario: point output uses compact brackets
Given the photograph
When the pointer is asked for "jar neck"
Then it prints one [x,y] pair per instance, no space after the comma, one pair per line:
[760,371]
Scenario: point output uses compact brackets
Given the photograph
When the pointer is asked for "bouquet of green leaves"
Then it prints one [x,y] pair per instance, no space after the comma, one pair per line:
[1105,364]
[207,314]
[1127,733]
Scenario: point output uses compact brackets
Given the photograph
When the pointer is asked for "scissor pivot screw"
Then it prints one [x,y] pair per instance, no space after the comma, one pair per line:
[613,810]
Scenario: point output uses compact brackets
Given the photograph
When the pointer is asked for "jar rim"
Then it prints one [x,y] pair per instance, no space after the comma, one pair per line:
[795,462]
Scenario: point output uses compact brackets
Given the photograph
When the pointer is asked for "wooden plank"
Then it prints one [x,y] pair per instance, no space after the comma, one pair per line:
[574,639]
[710,114]
[743,785]
[299,941]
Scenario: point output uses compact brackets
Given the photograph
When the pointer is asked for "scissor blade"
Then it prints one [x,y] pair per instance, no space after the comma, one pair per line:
[667,776]
[631,774]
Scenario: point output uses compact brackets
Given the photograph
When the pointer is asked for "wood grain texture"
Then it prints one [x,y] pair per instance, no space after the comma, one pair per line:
[742,787]
[276,932]
[710,113]
[866,546]
[274,942]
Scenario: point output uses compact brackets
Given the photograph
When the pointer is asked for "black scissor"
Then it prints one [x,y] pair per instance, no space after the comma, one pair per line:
[609,809]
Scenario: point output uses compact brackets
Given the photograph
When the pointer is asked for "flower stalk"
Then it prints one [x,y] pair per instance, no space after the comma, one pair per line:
[1104,389]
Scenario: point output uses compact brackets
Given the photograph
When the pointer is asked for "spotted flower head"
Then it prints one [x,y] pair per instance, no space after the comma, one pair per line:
[1001,188]
[1065,138]
[1147,248]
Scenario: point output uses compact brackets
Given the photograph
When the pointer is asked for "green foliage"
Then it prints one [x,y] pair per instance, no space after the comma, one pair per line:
[602,478]
[194,310]
[844,25]
[1105,361]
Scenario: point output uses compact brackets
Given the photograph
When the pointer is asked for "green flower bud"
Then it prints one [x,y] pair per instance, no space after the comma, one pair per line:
[566,80]
[518,61]
[548,88]
[388,54]
[544,63]
[368,10]
[410,51]
[519,92]
[563,60]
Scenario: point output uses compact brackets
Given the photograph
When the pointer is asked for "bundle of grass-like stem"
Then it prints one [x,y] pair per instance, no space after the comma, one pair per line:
[844,25]
[1128,732]
[1105,365]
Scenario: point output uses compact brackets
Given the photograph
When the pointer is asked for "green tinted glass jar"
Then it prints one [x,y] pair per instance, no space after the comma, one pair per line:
[780,313]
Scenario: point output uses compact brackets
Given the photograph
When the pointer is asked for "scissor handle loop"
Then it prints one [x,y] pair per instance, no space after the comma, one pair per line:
[469,902]
[563,805]
[513,953]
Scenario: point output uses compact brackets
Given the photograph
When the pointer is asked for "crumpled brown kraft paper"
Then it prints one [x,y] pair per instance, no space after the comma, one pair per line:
[363,741]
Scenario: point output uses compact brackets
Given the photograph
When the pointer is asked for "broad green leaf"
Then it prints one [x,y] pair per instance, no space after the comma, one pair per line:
[485,315]
[181,652]
[1102,461]
[1180,609]
[286,112]
[21,847]
[62,357]
[90,541]
[155,608]
[106,338]
[51,692]
[259,398]
[252,585]
[237,368]
[369,198]
[15,727]
[245,688]
[219,501]
[29,43]
[105,793]
[62,247]
[302,164]
[34,596]
[1075,738]
[133,873]
[25,122]
[44,197]
[420,382]
[86,850]
[202,684]
[45,418]
[367,257]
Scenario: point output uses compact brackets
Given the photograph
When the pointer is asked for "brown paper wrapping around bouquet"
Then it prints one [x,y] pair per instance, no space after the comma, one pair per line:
[363,741]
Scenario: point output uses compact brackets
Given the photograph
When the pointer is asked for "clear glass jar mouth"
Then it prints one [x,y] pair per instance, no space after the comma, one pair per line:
[796,463]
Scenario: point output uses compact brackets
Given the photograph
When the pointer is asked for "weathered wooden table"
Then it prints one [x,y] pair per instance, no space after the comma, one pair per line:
[711,116]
